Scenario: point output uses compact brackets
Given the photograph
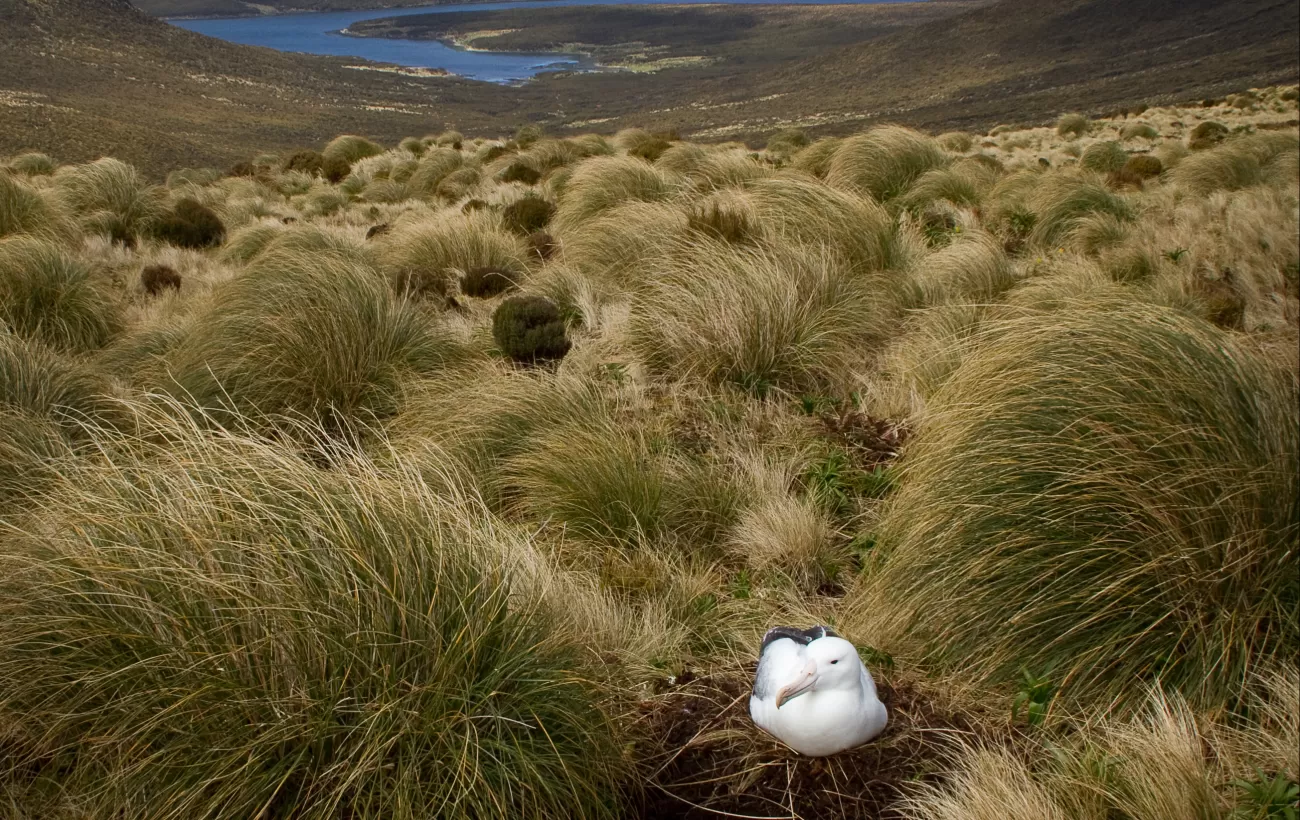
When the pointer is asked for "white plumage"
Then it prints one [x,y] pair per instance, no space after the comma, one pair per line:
[813,693]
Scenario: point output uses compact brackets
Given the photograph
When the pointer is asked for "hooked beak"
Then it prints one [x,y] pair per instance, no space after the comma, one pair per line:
[798,686]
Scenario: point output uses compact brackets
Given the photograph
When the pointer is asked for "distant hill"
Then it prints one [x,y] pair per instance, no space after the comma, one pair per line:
[85,78]
[238,8]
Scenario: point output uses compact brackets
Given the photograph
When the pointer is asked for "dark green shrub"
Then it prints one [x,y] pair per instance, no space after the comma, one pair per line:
[1144,166]
[307,161]
[484,283]
[1207,135]
[191,224]
[541,245]
[154,278]
[335,169]
[520,171]
[530,329]
[528,214]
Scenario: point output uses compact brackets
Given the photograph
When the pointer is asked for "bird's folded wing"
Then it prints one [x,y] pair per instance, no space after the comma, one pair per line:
[781,661]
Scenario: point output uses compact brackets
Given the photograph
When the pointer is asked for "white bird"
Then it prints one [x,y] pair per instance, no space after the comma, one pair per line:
[813,693]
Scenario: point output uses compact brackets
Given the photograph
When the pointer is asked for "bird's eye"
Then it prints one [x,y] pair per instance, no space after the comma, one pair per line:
[837,660]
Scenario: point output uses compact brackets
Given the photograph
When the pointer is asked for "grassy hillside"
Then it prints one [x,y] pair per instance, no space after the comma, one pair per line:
[462,476]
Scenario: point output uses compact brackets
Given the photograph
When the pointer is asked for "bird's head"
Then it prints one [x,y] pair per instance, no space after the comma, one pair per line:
[833,663]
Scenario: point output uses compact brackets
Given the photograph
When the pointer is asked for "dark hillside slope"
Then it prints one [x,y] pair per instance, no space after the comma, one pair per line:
[1024,60]
[85,78]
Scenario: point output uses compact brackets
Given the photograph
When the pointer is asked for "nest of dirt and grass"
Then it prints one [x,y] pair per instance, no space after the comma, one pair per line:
[707,759]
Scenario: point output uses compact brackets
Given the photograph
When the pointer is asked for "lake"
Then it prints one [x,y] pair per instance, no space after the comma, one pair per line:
[318,33]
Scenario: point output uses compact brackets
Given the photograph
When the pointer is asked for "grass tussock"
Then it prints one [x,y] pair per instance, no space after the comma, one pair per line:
[48,295]
[26,210]
[423,258]
[333,642]
[110,197]
[313,333]
[884,162]
[601,183]
[1103,510]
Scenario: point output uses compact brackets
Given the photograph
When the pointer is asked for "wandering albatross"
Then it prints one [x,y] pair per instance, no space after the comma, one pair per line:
[813,693]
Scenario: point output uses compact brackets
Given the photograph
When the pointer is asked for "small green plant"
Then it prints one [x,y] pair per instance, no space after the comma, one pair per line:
[1035,698]
[1267,798]
[741,586]
[530,329]
[1176,255]
[875,658]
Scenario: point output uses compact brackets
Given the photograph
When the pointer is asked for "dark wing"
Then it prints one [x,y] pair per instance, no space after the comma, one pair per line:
[803,637]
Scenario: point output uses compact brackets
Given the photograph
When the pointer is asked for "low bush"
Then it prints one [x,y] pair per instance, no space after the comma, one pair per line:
[1094,496]
[49,296]
[541,245]
[528,214]
[520,171]
[530,329]
[190,224]
[484,283]
[306,161]
[1072,125]
[156,278]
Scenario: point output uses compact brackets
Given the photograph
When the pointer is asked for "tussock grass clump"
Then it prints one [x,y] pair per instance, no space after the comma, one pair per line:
[801,210]
[1241,163]
[1104,495]
[1104,157]
[530,329]
[110,197]
[250,240]
[601,183]
[1061,200]
[47,295]
[724,219]
[541,245]
[311,330]
[349,149]
[642,144]
[526,135]
[816,158]
[434,167]
[422,258]
[33,164]
[458,184]
[520,170]
[1138,130]
[333,642]
[789,318]
[957,142]
[622,244]
[720,170]
[24,210]
[884,162]
[681,158]
[191,224]
[1072,125]
[963,184]
[528,214]
[1145,166]
[1207,135]
[973,268]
